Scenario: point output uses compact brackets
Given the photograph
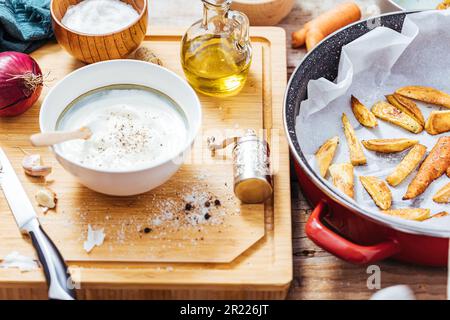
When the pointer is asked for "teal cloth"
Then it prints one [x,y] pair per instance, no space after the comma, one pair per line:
[25,25]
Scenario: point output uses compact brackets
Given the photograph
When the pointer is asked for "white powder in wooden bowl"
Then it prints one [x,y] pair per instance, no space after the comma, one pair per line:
[99,16]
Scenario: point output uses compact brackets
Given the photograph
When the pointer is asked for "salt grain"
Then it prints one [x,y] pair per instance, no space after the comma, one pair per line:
[157,222]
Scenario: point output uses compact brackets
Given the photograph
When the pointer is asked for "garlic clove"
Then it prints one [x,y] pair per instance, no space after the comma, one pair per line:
[32,165]
[46,198]
[31,160]
[39,171]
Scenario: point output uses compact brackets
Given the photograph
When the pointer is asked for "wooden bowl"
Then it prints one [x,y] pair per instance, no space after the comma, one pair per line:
[264,12]
[94,48]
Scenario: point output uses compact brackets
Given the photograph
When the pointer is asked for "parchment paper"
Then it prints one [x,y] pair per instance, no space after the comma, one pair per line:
[370,67]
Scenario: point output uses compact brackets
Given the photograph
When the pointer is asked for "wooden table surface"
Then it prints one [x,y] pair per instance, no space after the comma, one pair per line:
[317,274]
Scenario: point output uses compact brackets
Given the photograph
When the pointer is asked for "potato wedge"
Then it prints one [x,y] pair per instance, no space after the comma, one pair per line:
[389,145]
[357,156]
[448,172]
[426,94]
[438,122]
[440,214]
[325,154]
[343,178]
[434,166]
[407,165]
[362,114]
[443,195]
[417,214]
[407,106]
[378,190]
[444,5]
[388,112]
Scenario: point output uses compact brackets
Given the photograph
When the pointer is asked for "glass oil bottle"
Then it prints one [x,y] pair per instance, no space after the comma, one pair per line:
[216,52]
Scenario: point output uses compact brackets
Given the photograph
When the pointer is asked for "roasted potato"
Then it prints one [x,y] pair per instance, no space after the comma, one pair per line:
[443,195]
[325,154]
[389,145]
[417,214]
[448,172]
[443,5]
[407,165]
[362,114]
[407,106]
[343,178]
[378,190]
[357,156]
[388,112]
[426,94]
[440,214]
[434,166]
[438,122]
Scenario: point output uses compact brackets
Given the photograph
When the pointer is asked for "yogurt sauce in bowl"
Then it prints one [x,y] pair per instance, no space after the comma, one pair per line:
[132,127]
[417,4]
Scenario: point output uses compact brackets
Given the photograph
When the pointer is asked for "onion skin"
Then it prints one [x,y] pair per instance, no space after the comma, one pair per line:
[20,83]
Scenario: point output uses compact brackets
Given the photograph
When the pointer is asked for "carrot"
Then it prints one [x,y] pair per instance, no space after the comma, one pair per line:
[317,29]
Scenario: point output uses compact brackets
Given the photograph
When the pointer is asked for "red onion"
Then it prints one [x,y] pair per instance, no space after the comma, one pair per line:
[20,83]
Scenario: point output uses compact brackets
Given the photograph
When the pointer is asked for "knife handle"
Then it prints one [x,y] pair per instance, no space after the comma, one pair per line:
[56,272]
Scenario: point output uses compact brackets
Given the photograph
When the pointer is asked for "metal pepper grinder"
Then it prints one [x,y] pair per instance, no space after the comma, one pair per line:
[251,166]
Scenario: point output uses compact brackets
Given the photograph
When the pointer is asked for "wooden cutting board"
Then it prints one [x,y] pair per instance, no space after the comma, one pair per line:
[240,244]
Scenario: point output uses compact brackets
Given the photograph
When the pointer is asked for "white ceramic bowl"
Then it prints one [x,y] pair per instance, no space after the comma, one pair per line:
[397,5]
[122,182]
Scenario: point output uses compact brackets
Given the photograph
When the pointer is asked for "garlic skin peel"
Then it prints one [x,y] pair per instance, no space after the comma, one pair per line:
[95,238]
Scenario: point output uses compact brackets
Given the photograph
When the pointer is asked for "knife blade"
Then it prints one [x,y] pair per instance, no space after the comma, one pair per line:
[55,270]
[15,194]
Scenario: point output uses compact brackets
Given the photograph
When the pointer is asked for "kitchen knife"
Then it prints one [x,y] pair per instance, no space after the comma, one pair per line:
[55,270]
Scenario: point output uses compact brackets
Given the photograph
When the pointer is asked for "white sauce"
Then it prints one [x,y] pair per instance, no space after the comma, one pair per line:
[99,16]
[131,129]
[418,4]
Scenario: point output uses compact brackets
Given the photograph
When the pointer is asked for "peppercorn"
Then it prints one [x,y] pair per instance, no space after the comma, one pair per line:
[147,230]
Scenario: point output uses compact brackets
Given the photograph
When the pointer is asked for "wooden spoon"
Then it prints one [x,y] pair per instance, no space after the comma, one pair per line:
[46,139]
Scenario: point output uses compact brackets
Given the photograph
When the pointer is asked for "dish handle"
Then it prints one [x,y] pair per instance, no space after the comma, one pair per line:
[343,248]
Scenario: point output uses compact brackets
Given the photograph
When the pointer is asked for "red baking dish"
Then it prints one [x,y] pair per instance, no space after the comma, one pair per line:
[336,224]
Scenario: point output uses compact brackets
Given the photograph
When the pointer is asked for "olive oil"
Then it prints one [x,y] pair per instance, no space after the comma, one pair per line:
[214,66]
[216,52]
